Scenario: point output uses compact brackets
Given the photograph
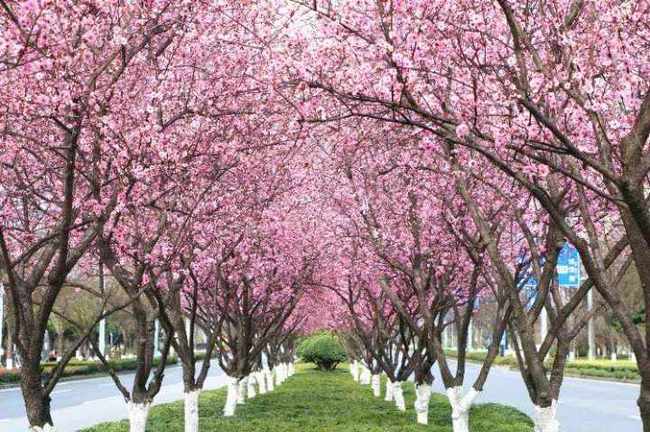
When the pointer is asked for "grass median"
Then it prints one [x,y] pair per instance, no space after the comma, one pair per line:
[319,401]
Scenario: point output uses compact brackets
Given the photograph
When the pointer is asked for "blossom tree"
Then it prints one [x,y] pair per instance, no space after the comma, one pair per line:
[379,336]
[424,65]
[257,290]
[66,101]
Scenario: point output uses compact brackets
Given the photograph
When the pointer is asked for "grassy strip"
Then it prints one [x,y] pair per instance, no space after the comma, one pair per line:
[324,402]
[620,370]
[83,368]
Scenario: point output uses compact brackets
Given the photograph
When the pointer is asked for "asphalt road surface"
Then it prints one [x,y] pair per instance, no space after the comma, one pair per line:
[585,405]
[83,403]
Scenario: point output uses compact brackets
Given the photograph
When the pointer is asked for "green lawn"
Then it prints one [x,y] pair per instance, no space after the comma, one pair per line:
[324,401]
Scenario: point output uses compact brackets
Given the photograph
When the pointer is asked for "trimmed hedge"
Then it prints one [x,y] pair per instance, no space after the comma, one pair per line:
[322,349]
[82,368]
[624,370]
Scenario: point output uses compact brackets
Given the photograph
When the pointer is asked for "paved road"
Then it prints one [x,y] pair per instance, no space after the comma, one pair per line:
[83,403]
[585,405]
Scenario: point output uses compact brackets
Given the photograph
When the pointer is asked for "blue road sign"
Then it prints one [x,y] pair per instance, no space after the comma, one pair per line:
[568,267]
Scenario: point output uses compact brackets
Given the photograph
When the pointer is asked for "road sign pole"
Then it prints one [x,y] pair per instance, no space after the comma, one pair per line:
[590,326]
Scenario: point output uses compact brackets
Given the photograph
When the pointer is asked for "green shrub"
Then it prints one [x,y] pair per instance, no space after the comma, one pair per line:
[618,370]
[82,368]
[322,349]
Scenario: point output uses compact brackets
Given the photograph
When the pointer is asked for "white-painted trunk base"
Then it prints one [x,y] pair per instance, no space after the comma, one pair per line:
[460,422]
[138,414]
[283,372]
[231,398]
[251,386]
[353,369]
[278,375]
[46,428]
[398,395]
[260,377]
[243,389]
[192,411]
[375,382]
[357,372]
[423,396]
[365,376]
[545,419]
[389,391]
[292,369]
[460,406]
[269,380]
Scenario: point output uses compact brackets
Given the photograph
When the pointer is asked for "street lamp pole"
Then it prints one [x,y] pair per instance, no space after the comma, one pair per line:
[156,338]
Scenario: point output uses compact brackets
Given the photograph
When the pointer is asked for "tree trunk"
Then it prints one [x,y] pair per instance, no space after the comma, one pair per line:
[398,394]
[251,386]
[423,396]
[644,404]
[37,405]
[231,399]
[353,369]
[545,419]
[261,381]
[365,376]
[460,407]
[278,374]
[357,372]
[376,385]
[285,371]
[243,389]
[269,379]
[389,391]
[192,411]
[138,414]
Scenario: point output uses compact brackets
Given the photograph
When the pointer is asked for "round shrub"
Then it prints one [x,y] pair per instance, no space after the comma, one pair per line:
[323,349]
